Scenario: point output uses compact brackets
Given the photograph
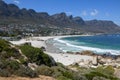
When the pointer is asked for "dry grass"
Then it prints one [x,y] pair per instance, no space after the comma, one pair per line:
[25,78]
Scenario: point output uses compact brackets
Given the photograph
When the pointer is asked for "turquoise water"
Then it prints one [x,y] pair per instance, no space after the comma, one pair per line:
[99,44]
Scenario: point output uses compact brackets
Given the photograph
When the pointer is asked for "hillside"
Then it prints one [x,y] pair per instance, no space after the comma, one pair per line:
[26,78]
[12,14]
[21,60]
[26,62]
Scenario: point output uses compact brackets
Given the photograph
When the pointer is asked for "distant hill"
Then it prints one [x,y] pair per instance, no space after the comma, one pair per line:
[10,13]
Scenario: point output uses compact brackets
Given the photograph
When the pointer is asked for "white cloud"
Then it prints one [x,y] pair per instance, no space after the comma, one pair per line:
[94,12]
[16,1]
[84,13]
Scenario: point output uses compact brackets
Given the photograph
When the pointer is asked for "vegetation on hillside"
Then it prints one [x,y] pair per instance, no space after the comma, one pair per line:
[36,55]
[13,62]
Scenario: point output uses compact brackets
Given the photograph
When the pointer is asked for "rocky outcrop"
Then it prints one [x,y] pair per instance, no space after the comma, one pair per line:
[95,61]
[98,60]
[79,20]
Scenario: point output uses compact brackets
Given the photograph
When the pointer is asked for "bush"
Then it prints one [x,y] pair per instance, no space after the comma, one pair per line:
[4,73]
[109,70]
[4,44]
[99,78]
[91,75]
[63,78]
[36,55]
[26,72]
[56,71]
[68,74]
[44,70]
[61,73]
[23,61]
[7,68]
[78,76]
[9,64]
[12,52]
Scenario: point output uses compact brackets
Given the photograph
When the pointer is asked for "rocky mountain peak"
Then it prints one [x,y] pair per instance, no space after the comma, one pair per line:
[10,12]
[79,20]
[2,3]
[60,16]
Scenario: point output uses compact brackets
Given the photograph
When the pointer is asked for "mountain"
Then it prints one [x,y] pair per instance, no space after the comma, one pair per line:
[102,26]
[10,13]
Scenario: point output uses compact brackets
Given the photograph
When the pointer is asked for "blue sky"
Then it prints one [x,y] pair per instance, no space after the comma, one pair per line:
[87,9]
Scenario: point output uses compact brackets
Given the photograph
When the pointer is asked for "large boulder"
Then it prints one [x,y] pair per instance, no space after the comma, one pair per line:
[95,60]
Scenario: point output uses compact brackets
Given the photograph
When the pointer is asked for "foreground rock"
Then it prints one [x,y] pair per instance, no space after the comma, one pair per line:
[98,60]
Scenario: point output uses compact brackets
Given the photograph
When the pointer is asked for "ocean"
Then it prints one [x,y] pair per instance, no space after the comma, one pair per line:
[99,44]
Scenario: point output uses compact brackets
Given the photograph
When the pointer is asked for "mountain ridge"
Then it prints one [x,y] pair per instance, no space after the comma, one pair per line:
[12,13]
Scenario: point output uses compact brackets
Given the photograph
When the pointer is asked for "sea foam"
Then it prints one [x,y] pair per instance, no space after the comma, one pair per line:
[81,48]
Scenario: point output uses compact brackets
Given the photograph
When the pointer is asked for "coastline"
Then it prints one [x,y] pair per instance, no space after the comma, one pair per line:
[59,56]
[67,59]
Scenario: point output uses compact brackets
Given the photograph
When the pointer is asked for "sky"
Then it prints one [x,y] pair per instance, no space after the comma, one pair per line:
[87,9]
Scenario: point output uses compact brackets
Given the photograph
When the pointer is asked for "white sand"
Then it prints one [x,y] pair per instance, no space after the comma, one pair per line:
[65,58]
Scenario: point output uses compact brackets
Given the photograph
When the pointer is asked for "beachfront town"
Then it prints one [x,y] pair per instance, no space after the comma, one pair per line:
[34,30]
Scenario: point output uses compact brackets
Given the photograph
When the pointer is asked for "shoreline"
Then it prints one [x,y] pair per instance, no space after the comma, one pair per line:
[64,58]
[67,58]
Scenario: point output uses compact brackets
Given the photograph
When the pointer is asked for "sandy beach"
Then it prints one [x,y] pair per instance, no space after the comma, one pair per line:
[63,58]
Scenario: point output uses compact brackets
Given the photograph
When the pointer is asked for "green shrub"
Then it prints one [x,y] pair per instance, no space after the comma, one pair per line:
[56,71]
[8,67]
[23,61]
[12,52]
[99,78]
[60,65]
[4,73]
[91,75]
[4,44]
[36,55]
[68,74]
[44,70]
[63,78]
[26,72]
[78,76]
[109,70]
[9,64]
